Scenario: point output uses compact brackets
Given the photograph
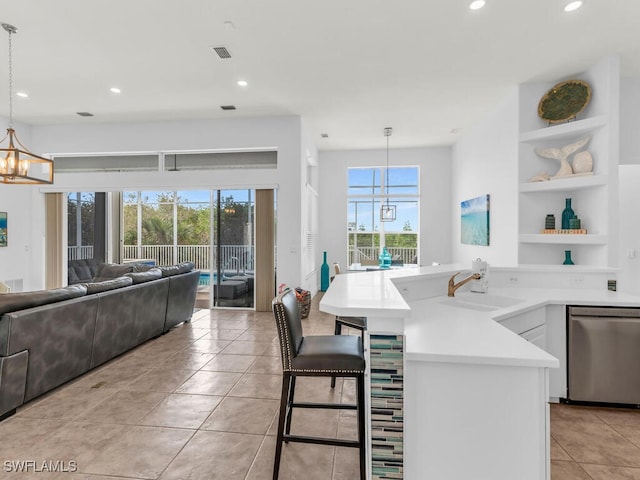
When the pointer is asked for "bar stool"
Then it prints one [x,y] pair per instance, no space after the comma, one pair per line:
[358,323]
[315,356]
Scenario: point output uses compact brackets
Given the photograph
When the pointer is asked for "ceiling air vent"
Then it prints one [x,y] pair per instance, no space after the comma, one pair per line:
[228,107]
[85,114]
[222,52]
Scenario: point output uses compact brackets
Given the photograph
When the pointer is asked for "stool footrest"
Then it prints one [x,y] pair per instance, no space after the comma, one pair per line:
[321,441]
[333,406]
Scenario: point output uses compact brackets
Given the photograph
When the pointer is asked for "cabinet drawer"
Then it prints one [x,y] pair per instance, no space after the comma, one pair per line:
[525,321]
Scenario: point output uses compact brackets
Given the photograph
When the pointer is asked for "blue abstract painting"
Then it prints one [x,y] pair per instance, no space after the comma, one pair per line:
[3,229]
[474,221]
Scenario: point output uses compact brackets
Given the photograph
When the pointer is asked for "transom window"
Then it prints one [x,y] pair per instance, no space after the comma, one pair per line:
[368,189]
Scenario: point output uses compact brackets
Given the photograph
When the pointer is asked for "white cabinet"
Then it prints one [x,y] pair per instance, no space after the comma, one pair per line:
[530,321]
[537,336]
[594,197]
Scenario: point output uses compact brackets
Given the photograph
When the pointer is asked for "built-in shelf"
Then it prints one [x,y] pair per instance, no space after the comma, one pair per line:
[565,129]
[589,239]
[564,184]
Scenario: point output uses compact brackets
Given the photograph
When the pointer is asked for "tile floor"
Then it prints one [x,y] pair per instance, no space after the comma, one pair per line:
[197,403]
[201,403]
[591,443]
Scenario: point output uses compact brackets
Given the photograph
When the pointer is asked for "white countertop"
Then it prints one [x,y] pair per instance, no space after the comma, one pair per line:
[438,330]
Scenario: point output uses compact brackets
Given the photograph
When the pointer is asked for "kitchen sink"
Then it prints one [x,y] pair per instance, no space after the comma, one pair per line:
[481,301]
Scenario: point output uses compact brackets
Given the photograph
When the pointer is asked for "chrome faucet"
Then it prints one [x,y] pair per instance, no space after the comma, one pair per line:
[454,286]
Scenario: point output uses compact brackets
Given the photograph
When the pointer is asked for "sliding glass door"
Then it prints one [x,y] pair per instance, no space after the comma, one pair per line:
[214,229]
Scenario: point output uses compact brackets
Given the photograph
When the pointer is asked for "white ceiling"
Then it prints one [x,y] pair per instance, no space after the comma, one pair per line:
[348,67]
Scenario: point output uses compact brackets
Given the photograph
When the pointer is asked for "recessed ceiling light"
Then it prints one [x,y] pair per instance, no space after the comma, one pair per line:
[324,135]
[85,114]
[22,94]
[243,83]
[477,4]
[115,90]
[227,107]
[571,6]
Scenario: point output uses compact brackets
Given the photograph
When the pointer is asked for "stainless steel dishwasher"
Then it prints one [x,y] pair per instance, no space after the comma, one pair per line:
[604,354]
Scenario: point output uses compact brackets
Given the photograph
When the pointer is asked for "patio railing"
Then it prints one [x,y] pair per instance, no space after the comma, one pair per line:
[238,258]
[406,254]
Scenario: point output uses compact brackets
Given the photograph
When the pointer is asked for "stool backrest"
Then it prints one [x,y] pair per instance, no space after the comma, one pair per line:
[289,324]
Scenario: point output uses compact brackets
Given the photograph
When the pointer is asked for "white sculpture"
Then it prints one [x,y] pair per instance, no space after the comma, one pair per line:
[562,156]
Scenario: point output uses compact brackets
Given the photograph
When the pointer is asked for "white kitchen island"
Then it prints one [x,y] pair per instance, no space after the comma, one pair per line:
[456,393]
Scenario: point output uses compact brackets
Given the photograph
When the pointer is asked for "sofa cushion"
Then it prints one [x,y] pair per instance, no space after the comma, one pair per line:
[169,270]
[12,302]
[97,287]
[106,271]
[82,270]
[185,267]
[141,277]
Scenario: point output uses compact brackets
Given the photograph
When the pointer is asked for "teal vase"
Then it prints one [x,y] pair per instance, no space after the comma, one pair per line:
[324,274]
[384,260]
[567,214]
[567,258]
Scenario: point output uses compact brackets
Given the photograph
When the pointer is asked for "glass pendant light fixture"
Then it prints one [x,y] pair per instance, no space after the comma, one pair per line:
[387,212]
[17,164]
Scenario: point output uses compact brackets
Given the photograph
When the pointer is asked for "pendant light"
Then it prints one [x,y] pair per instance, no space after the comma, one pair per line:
[17,164]
[387,212]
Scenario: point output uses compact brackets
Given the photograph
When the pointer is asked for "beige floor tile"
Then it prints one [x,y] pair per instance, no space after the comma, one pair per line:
[605,472]
[311,462]
[143,452]
[266,364]
[346,464]
[558,453]
[262,336]
[125,406]
[187,360]
[245,348]
[273,350]
[619,416]
[262,467]
[631,433]
[567,471]
[181,411]
[68,403]
[210,383]
[318,389]
[242,415]
[223,334]
[21,435]
[209,345]
[79,442]
[258,386]
[214,456]
[574,413]
[187,331]
[114,376]
[315,422]
[595,443]
[230,363]
[161,379]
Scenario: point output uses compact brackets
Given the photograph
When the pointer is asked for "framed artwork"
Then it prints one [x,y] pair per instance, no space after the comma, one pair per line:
[474,221]
[3,229]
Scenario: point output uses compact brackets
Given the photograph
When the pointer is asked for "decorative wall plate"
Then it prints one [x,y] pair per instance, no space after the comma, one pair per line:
[564,101]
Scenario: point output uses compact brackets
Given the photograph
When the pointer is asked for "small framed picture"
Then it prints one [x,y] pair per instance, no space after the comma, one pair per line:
[3,229]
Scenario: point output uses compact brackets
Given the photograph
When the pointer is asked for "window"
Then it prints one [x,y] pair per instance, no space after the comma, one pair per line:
[86,222]
[369,189]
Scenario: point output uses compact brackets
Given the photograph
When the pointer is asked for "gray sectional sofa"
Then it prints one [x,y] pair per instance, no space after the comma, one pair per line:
[49,337]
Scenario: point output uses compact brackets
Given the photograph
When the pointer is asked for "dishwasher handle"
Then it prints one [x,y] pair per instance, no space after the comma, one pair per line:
[605,312]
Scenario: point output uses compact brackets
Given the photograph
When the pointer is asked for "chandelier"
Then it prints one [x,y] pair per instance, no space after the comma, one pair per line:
[387,212]
[17,163]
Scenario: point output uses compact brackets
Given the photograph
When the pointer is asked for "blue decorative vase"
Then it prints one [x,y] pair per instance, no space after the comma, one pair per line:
[324,274]
[384,260]
[567,258]
[567,214]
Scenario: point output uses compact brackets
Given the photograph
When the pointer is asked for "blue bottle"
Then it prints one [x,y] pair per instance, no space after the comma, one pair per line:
[324,274]
[567,214]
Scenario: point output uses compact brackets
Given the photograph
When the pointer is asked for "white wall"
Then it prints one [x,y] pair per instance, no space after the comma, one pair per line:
[435,205]
[281,133]
[485,161]
[629,229]
[629,121]
[22,258]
